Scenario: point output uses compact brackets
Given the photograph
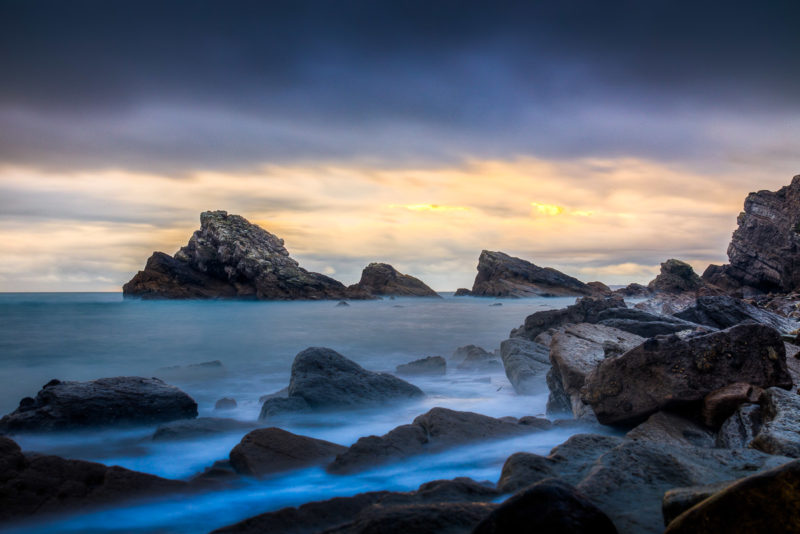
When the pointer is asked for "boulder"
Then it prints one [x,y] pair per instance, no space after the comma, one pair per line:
[643,323]
[547,507]
[431,365]
[634,290]
[441,517]
[671,429]
[433,431]
[469,351]
[764,252]
[763,502]
[723,312]
[343,512]
[720,404]
[123,400]
[462,292]
[382,279]
[200,427]
[667,303]
[474,358]
[739,430]
[230,257]
[525,363]
[322,378]
[667,372]
[780,429]
[676,277]
[271,450]
[585,310]
[575,351]
[678,500]
[501,275]
[225,404]
[36,484]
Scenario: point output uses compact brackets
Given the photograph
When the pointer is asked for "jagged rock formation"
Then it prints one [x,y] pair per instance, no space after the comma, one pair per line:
[676,277]
[230,257]
[383,279]
[764,252]
[501,275]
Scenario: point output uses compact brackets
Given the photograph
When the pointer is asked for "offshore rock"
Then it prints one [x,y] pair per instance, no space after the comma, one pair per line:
[501,275]
[676,277]
[382,279]
[667,372]
[123,400]
[324,379]
[431,365]
[231,257]
[764,252]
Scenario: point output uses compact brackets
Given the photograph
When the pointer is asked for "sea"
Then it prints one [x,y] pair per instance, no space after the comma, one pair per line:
[84,336]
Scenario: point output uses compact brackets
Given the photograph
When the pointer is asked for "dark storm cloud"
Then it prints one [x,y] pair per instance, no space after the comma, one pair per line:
[171,86]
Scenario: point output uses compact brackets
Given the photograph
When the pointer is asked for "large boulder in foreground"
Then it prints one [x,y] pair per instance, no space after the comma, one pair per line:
[324,379]
[547,507]
[40,484]
[382,279]
[271,450]
[501,275]
[231,257]
[764,502]
[723,312]
[764,252]
[668,372]
[122,400]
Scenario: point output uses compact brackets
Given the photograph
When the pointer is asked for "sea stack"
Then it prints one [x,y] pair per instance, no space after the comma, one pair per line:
[381,279]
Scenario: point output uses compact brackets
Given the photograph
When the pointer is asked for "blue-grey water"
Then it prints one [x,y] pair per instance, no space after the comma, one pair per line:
[83,336]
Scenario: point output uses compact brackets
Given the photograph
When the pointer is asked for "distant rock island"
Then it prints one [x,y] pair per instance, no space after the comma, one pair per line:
[229,257]
[501,275]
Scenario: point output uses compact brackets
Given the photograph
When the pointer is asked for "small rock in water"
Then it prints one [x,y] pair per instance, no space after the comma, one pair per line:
[496,304]
[225,404]
[432,365]
[342,304]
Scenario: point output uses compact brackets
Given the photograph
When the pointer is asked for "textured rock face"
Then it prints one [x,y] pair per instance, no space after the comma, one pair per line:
[724,312]
[271,450]
[322,378]
[764,252]
[764,502]
[123,400]
[383,279]
[230,257]
[780,431]
[547,507]
[667,372]
[524,362]
[676,277]
[40,484]
[585,310]
[501,275]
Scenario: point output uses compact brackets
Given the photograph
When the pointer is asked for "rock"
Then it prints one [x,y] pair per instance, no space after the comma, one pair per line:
[780,431]
[322,379]
[643,323]
[599,288]
[678,500]
[676,277]
[195,428]
[739,430]
[723,312]
[525,362]
[720,404]
[634,290]
[501,275]
[282,393]
[342,304]
[123,400]
[433,431]
[575,351]
[667,303]
[323,516]
[230,257]
[585,310]
[383,279]
[225,404]
[462,292]
[39,484]
[668,372]
[271,450]
[763,252]
[671,429]
[473,352]
[432,365]
[547,507]
[763,502]
[445,518]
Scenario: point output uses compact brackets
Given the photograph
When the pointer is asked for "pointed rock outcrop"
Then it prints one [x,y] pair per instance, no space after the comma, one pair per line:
[381,279]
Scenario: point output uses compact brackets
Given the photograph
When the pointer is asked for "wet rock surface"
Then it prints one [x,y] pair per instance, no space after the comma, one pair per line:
[723,312]
[122,400]
[780,429]
[525,362]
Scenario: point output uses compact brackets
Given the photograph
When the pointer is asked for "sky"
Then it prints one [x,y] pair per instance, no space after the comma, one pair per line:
[599,138]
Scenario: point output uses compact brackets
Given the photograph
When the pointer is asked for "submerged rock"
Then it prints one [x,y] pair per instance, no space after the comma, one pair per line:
[431,365]
[40,484]
[270,450]
[225,403]
[501,275]
[383,279]
[231,257]
[668,372]
[322,379]
[123,400]
[525,362]
[200,427]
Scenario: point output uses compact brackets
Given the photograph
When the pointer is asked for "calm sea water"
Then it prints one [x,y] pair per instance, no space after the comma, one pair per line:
[83,336]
